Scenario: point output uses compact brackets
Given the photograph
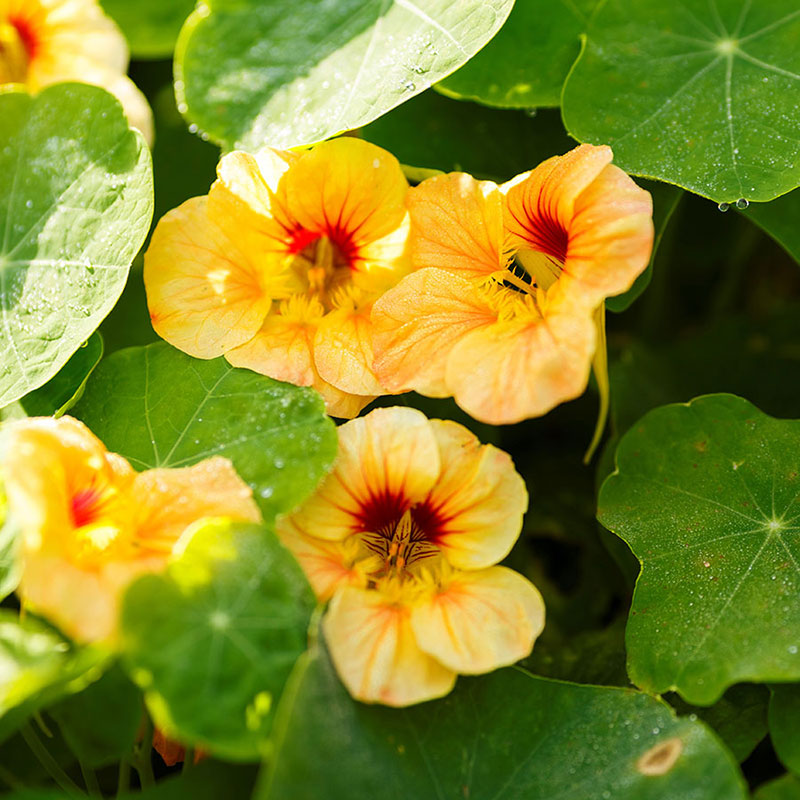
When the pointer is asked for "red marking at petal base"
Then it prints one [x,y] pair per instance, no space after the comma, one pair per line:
[26,33]
[85,505]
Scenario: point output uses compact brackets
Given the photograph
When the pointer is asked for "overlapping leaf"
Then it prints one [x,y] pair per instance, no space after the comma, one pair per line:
[159,407]
[213,640]
[706,495]
[293,72]
[76,199]
[150,26]
[704,94]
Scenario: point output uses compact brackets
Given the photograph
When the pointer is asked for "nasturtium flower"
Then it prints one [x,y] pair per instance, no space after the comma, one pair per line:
[89,524]
[278,267]
[403,538]
[51,41]
[505,309]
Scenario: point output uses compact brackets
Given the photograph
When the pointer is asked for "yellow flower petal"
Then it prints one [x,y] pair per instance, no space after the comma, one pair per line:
[169,500]
[478,502]
[387,461]
[204,284]
[509,371]
[481,621]
[457,224]
[415,326]
[374,651]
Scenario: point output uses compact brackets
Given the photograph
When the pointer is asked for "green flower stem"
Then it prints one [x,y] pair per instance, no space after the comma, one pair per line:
[124,780]
[90,779]
[48,762]
[142,756]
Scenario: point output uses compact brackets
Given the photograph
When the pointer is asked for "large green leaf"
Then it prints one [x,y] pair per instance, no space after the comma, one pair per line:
[525,65]
[38,666]
[784,706]
[787,787]
[504,736]
[701,93]
[435,132]
[159,407]
[213,640]
[293,72]
[76,200]
[705,494]
[779,219]
[150,26]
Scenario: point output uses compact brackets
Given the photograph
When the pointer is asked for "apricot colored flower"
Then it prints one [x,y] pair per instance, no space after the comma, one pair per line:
[403,538]
[90,524]
[51,41]
[504,312]
[278,268]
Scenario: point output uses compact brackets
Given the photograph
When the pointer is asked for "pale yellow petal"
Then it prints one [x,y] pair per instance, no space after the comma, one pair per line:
[478,502]
[480,620]
[204,283]
[375,654]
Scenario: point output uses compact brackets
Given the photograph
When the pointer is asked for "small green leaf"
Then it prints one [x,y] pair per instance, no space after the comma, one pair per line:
[503,736]
[784,706]
[438,133]
[526,64]
[159,407]
[779,220]
[787,787]
[705,494]
[76,200]
[293,72]
[702,93]
[212,641]
[37,667]
[150,26]
[665,201]
[96,736]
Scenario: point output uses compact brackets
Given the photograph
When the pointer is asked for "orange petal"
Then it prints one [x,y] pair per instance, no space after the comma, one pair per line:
[374,651]
[387,460]
[343,351]
[204,286]
[509,371]
[282,349]
[478,501]
[416,325]
[457,224]
[169,500]
[350,186]
[480,620]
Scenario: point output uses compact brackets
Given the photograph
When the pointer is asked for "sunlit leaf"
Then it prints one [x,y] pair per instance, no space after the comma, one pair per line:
[292,72]
[213,640]
[159,407]
[525,65]
[76,199]
[503,736]
[702,93]
[705,494]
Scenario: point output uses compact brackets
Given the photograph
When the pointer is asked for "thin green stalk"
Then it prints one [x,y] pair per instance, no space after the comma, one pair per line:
[142,756]
[124,780]
[90,779]
[48,762]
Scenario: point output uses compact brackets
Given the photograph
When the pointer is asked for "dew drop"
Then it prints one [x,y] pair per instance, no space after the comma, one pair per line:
[742,203]
[724,206]
[193,128]
[531,112]
[29,204]
[409,86]
[792,649]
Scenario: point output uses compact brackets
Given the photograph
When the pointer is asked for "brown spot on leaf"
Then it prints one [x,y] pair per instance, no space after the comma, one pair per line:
[661,758]
[701,447]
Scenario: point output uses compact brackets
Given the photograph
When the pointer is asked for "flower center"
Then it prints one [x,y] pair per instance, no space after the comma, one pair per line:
[16,48]
[530,270]
[97,535]
[399,545]
[323,263]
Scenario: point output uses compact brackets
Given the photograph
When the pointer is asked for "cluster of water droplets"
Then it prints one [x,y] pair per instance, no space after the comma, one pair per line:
[741,204]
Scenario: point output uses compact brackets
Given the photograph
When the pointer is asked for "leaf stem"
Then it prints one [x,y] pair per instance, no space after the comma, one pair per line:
[90,779]
[48,762]
[142,756]
[124,780]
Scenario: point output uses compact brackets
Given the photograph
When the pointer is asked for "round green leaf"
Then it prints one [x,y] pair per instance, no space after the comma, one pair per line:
[213,640]
[705,494]
[150,26]
[159,407]
[787,787]
[38,666]
[704,94]
[526,64]
[504,736]
[784,706]
[779,219]
[76,200]
[292,72]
